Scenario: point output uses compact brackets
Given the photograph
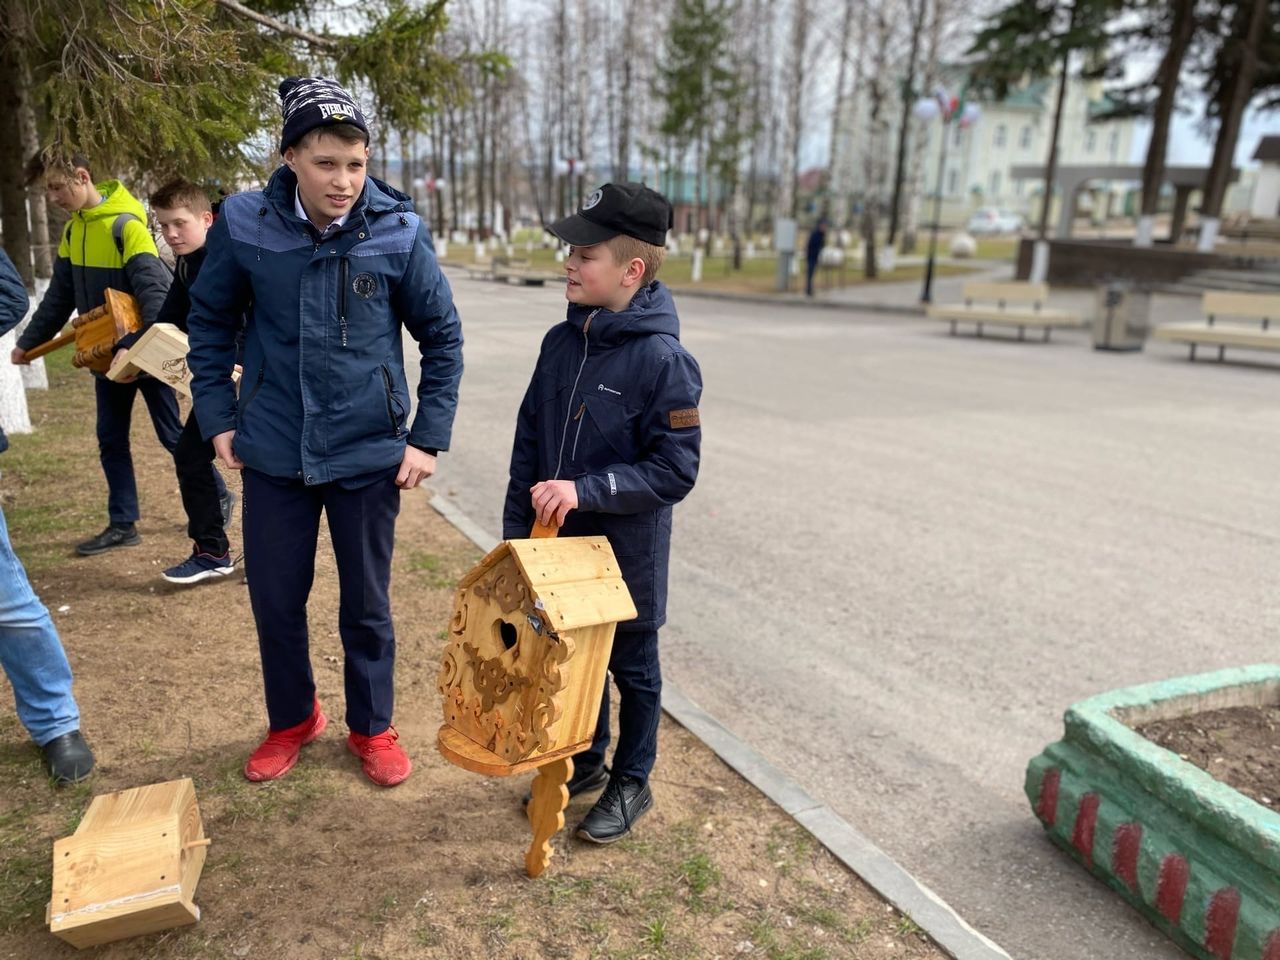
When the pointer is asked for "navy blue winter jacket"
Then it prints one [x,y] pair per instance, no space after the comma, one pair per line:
[323,395]
[13,307]
[615,409]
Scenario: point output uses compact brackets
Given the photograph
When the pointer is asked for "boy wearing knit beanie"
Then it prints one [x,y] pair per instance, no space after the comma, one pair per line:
[332,265]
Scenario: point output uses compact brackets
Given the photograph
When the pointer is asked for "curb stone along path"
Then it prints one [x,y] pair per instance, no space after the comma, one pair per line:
[1197,858]
[928,911]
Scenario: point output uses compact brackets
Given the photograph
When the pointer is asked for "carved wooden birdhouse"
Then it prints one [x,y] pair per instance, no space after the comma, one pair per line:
[528,649]
[131,867]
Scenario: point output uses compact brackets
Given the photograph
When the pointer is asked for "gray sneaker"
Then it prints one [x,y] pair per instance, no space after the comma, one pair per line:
[227,504]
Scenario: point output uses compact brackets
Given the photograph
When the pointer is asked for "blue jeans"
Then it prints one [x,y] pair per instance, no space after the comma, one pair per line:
[31,653]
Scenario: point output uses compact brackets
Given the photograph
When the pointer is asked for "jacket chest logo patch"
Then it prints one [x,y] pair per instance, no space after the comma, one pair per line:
[365,285]
[684,418]
[601,388]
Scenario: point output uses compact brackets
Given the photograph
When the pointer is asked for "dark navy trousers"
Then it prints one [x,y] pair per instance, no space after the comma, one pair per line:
[115,414]
[638,676]
[281,525]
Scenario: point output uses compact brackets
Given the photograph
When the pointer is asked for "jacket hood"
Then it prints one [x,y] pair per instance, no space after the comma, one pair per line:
[116,199]
[651,311]
[376,197]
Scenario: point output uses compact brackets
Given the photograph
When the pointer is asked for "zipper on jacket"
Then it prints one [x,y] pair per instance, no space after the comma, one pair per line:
[573,454]
[573,391]
[257,385]
[391,410]
[342,299]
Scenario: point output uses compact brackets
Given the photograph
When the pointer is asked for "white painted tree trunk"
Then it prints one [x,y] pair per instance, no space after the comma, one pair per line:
[1146,231]
[13,396]
[1039,261]
[34,376]
[1208,234]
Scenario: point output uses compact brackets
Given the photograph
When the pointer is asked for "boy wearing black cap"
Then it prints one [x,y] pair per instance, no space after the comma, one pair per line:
[607,440]
[330,265]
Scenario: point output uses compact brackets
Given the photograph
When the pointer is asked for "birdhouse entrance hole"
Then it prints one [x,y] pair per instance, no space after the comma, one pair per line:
[507,634]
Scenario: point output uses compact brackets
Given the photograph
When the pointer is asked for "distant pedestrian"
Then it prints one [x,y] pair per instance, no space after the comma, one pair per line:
[813,253]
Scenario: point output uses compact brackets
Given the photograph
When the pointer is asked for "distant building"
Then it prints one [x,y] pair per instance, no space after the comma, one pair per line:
[1265,201]
[1015,130]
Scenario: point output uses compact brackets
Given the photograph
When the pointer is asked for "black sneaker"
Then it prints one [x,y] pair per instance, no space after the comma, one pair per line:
[584,780]
[108,539]
[227,504]
[625,800]
[67,758]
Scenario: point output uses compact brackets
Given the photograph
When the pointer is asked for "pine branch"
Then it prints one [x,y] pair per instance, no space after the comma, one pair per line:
[279,26]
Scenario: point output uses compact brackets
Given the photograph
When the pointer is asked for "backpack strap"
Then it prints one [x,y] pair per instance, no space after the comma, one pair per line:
[117,231]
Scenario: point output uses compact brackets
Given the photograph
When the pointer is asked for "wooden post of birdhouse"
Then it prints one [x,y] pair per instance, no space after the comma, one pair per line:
[131,867]
[525,666]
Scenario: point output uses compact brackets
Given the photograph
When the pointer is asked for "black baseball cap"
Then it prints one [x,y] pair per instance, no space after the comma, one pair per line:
[618,208]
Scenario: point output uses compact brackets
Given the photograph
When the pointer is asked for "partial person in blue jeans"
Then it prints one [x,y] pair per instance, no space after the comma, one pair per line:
[30,650]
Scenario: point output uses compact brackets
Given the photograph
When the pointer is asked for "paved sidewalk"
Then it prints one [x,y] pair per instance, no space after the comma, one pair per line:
[904,297]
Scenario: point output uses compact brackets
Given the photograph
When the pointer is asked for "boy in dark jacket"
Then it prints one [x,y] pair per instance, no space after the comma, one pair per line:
[106,244]
[607,440]
[332,266]
[185,215]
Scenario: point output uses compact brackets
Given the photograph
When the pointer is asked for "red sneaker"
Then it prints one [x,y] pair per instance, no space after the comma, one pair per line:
[384,761]
[277,754]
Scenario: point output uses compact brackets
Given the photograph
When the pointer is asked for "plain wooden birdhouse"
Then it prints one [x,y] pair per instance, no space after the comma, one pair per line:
[529,646]
[131,867]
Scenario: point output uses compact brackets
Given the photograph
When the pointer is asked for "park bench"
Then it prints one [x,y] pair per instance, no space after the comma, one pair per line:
[1009,304]
[1231,320]
[521,272]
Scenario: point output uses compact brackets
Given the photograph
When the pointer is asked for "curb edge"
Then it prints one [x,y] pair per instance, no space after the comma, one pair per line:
[884,875]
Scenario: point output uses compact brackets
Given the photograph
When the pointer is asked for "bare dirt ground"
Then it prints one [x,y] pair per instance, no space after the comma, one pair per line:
[322,864]
[1239,746]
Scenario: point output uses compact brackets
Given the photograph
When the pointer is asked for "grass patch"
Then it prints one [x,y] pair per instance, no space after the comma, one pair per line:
[287,799]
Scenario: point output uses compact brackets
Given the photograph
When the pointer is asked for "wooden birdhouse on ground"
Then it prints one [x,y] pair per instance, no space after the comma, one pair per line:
[524,670]
[131,867]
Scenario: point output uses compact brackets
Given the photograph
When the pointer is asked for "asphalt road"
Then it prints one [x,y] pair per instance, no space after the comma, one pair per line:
[908,553]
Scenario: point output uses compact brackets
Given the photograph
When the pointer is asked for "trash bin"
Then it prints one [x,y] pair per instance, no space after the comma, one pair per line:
[1121,317]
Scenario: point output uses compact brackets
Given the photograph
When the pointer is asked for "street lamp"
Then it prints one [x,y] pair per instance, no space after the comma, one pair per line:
[949,110]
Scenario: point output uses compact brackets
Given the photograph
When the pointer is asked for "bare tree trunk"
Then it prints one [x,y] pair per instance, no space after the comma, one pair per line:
[1181,31]
[1224,148]
[584,47]
[874,158]
[915,173]
[42,250]
[1040,254]
[13,195]
[837,113]
[788,202]
[904,126]
[622,166]
[757,81]
[842,200]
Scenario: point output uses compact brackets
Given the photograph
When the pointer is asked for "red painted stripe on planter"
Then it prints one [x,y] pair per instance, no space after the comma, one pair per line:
[1172,886]
[1086,821]
[1125,846]
[1272,949]
[1220,923]
[1047,803]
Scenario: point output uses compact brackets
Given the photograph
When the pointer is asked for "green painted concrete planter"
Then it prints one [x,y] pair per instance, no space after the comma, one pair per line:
[1199,859]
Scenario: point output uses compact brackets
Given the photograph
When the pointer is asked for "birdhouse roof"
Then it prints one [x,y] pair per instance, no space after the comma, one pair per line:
[576,579]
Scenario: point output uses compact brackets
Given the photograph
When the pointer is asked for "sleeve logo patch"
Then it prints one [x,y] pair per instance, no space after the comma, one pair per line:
[684,418]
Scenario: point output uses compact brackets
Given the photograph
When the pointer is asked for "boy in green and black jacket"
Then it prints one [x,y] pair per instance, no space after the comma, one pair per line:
[105,244]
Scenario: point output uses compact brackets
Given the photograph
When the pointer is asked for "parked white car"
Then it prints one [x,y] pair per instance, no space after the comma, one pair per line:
[994,220]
